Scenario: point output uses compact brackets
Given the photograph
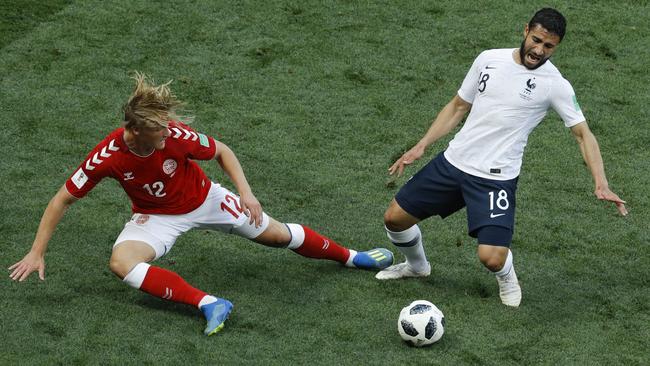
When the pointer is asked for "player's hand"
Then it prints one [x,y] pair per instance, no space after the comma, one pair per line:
[408,158]
[252,208]
[32,262]
[603,193]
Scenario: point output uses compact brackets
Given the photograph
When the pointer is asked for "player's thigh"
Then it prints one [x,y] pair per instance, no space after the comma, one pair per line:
[221,211]
[158,231]
[491,204]
[434,190]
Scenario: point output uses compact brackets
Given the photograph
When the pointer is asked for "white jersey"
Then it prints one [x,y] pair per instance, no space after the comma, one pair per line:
[508,102]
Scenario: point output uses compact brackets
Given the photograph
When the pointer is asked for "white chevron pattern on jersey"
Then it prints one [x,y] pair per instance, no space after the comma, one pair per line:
[186,134]
[104,153]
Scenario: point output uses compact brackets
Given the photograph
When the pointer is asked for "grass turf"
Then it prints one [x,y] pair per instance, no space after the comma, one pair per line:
[317,99]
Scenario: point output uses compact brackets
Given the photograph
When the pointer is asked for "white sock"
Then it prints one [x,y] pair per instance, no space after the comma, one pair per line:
[350,261]
[137,275]
[297,236]
[207,299]
[506,267]
[409,243]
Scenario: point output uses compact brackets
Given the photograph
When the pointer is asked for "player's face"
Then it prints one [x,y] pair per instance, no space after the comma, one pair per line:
[153,137]
[537,47]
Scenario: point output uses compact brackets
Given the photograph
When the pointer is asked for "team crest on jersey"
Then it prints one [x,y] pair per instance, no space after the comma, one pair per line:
[526,94]
[169,166]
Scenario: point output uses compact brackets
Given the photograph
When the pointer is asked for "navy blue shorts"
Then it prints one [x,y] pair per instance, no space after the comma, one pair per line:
[440,188]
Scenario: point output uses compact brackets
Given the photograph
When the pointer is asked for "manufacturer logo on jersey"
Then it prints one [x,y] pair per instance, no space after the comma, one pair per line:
[141,219]
[528,90]
[79,178]
[128,176]
[495,215]
[169,166]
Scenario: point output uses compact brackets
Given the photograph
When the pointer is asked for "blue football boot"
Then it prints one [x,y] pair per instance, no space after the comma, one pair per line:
[216,314]
[378,258]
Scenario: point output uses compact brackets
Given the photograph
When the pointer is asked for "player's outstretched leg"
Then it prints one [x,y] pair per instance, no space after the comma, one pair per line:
[409,243]
[308,243]
[168,285]
[311,244]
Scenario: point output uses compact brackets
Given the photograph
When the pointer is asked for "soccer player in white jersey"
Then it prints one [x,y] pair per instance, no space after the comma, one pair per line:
[507,93]
[152,156]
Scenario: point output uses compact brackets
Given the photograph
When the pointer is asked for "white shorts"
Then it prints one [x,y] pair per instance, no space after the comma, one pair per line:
[220,211]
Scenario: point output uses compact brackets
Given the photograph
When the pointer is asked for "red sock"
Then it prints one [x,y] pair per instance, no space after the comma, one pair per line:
[168,285]
[321,247]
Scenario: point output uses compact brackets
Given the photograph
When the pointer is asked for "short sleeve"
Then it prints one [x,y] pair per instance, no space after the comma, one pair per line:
[196,145]
[90,172]
[467,90]
[564,102]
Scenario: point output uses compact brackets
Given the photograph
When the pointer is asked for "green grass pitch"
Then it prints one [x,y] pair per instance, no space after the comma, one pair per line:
[318,98]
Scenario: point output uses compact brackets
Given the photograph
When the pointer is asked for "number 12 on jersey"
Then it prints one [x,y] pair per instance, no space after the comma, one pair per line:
[231,201]
[158,186]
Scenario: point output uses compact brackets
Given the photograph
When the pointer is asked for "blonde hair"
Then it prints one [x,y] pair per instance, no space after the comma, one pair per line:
[151,105]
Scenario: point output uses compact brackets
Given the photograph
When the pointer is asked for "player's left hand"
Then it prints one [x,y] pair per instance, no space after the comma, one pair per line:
[605,194]
[30,263]
[252,208]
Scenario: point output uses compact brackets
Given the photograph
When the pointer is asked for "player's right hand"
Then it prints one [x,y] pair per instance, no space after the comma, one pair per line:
[408,158]
[32,262]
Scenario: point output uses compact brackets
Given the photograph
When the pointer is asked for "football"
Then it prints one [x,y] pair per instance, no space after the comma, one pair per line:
[421,323]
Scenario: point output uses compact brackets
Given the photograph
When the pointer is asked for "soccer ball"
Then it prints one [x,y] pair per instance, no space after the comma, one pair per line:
[421,323]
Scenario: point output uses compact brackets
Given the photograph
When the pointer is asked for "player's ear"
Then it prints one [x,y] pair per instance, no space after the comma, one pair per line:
[526,30]
[134,130]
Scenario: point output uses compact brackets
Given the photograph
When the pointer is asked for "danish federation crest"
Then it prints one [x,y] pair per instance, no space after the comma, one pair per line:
[169,166]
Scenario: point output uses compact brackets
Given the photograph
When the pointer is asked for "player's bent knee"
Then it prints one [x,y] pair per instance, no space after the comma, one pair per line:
[494,264]
[127,255]
[492,257]
[396,219]
[119,267]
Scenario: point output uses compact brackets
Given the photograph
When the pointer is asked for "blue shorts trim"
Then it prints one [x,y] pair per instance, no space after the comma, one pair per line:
[494,235]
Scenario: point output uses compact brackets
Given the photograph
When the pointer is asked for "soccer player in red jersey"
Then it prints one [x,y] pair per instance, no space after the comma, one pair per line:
[152,156]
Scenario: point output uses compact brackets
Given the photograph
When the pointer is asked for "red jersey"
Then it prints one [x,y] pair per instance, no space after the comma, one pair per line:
[165,182]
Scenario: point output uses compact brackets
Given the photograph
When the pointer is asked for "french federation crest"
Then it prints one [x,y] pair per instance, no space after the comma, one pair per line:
[526,94]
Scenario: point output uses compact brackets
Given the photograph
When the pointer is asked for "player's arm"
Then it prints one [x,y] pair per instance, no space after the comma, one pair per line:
[230,164]
[35,259]
[448,118]
[591,154]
